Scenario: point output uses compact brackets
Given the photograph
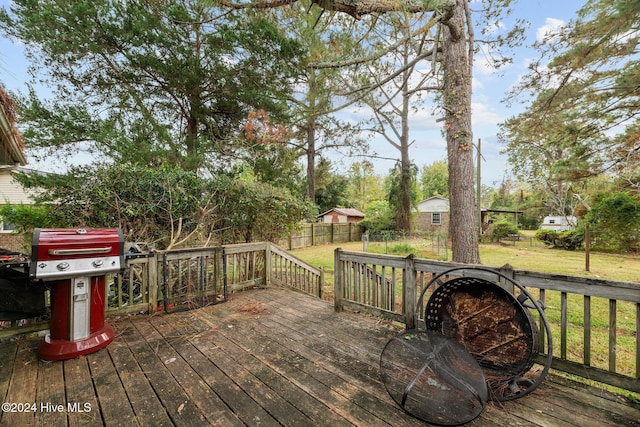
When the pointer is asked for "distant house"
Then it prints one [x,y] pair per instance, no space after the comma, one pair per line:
[433,214]
[341,215]
[11,192]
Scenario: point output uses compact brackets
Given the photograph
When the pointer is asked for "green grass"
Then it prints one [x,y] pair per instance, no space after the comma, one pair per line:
[526,254]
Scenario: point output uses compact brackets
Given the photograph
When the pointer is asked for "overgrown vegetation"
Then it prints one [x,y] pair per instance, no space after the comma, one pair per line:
[165,206]
[615,220]
[570,239]
[502,229]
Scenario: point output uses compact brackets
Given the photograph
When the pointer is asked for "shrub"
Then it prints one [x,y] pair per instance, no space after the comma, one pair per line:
[546,236]
[570,239]
[503,228]
[402,249]
[615,221]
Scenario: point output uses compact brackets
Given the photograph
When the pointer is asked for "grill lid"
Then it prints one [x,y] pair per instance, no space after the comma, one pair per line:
[62,253]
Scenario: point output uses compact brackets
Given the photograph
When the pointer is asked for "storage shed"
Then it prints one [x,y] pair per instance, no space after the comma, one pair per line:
[341,215]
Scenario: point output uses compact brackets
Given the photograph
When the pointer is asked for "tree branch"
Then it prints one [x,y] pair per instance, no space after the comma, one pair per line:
[355,8]
[378,54]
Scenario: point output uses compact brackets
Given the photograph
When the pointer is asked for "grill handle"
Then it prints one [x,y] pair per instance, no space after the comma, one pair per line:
[81,251]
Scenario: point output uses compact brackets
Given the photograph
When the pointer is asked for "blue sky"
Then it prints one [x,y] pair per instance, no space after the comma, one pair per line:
[489,89]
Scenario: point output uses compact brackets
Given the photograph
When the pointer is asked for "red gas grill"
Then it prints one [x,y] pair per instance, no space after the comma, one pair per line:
[74,263]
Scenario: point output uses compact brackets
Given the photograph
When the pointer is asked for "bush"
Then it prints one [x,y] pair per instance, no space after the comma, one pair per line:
[503,228]
[570,239]
[615,221]
[378,217]
[402,249]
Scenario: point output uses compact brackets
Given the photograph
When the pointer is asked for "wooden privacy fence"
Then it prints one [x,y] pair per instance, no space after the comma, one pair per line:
[190,278]
[584,313]
[311,234]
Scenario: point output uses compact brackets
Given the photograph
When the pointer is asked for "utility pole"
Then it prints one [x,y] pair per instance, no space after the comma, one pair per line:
[479,191]
[587,234]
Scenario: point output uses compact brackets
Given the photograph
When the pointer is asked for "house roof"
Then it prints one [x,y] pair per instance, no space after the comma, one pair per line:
[344,211]
[483,210]
[434,198]
[501,211]
[434,204]
[10,139]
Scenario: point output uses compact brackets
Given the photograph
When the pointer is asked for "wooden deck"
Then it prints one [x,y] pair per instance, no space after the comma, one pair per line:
[266,358]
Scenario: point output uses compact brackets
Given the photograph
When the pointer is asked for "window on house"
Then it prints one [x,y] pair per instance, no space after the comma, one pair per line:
[435,218]
[6,227]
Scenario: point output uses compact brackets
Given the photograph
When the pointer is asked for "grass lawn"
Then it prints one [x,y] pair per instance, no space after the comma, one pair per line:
[526,254]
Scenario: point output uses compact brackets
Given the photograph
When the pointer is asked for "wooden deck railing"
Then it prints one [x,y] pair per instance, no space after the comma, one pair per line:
[188,278]
[584,313]
[287,270]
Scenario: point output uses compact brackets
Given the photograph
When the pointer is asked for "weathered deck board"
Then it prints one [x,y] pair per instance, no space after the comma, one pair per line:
[155,358]
[313,355]
[149,411]
[214,385]
[80,391]
[50,388]
[267,357]
[22,386]
[107,383]
[316,412]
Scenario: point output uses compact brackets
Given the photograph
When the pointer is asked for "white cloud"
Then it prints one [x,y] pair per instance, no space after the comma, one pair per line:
[424,119]
[482,65]
[476,84]
[549,29]
[484,115]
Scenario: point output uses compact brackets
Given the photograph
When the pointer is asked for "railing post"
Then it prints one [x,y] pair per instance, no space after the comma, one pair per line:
[337,280]
[267,263]
[321,285]
[507,270]
[409,292]
[154,285]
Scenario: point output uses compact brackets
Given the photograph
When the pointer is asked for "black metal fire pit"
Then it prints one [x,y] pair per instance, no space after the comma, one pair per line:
[496,326]
[472,331]
[493,326]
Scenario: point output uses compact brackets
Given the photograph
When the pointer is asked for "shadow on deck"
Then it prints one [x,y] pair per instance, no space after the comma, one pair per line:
[266,358]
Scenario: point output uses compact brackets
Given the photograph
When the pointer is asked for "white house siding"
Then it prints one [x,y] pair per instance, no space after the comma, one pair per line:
[10,191]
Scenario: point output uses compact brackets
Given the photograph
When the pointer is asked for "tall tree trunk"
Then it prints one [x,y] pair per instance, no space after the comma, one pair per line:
[311,137]
[403,222]
[457,102]
[311,158]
